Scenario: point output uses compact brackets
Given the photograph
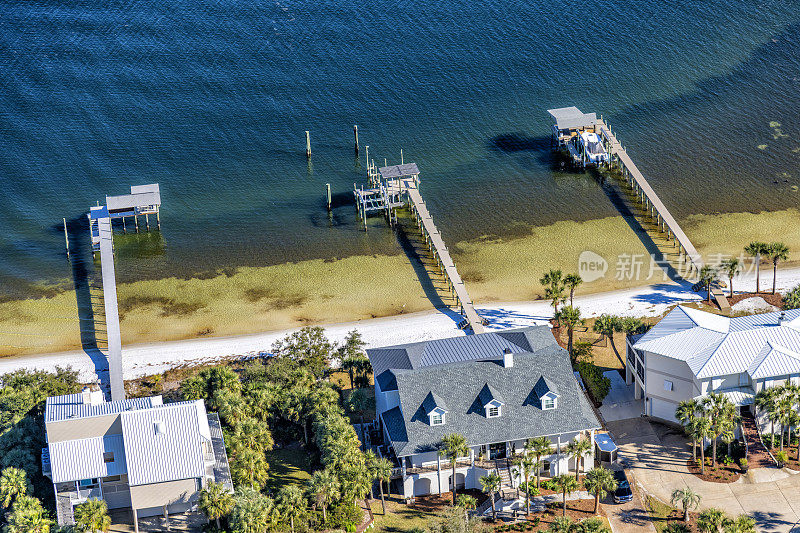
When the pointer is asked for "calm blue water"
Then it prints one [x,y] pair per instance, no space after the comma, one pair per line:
[211,99]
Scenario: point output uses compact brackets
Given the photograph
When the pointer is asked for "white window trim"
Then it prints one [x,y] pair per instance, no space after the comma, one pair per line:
[669,385]
[434,421]
[489,409]
[546,407]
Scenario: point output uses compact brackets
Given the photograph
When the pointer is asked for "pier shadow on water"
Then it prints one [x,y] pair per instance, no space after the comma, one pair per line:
[407,237]
[519,142]
[88,294]
[618,197]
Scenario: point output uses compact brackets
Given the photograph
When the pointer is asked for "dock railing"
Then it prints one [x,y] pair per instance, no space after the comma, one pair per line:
[650,200]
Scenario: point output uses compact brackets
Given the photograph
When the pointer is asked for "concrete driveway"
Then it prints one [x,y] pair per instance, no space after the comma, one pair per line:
[657,454]
[619,403]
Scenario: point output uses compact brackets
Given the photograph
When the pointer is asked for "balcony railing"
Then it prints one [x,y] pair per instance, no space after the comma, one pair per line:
[46,468]
[433,467]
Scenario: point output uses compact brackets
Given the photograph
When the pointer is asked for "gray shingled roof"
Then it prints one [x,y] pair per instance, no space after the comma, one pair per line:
[460,384]
[456,349]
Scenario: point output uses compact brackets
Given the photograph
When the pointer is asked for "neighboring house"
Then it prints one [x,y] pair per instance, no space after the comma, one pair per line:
[137,454]
[690,353]
[497,389]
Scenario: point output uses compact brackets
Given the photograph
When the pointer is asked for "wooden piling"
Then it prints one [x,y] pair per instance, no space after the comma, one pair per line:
[355,133]
[123,226]
[66,236]
[328,189]
[308,143]
[158,217]
[147,221]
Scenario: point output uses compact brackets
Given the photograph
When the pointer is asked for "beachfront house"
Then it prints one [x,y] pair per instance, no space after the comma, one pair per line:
[138,454]
[690,353]
[497,389]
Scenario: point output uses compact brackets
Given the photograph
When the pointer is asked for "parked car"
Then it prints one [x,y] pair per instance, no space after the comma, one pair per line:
[623,493]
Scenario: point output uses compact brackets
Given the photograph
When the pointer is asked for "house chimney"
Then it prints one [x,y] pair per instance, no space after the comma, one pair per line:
[92,396]
[508,358]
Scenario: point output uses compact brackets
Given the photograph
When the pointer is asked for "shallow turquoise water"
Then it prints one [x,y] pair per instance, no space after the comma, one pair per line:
[211,99]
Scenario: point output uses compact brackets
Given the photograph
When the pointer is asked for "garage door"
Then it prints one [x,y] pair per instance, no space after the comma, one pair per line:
[663,409]
[422,486]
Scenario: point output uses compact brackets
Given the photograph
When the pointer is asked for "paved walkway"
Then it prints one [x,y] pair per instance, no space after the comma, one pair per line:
[757,455]
[657,455]
[619,403]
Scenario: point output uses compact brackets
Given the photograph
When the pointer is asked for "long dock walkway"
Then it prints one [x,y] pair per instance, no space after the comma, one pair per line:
[437,246]
[657,210]
[106,242]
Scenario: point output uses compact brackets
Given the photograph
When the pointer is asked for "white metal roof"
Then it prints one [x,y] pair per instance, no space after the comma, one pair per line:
[715,345]
[175,454]
[73,460]
[71,406]
[572,118]
[739,396]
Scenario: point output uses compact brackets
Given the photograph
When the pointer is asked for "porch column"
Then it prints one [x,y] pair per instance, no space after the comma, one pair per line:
[591,438]
[472,456]
[135,520]
[628,371]
[439,469]
[558,445]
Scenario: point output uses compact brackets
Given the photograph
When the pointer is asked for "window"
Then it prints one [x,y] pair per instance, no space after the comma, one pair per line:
[493,412]
[548,403]
[437,419]
[108,457]
[668,385]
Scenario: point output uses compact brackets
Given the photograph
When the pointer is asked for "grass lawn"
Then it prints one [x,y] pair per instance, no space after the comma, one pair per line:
[288,465]
[399,517]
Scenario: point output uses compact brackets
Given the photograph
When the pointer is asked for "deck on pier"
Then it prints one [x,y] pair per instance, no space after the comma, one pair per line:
[111,310]
[448,266]
[661,209]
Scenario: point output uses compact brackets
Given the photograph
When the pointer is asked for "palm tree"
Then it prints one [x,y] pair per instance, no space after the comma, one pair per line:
[466,502]
[777,251]
[540,446]
[553,283]
[708,275]
[767,400]
[577,449]
[711,520]
[383,472]
[569,317]
[491,484]
[291,503]
[688,499]
[452,447]
[525,466]
[731,267]
[92,515]
[215,502]
[740,524]
[606,325]
[686,413]
[252,511]
[565,484]
[700,429]
[571,282]
[755,249]
[722,414]
[599,481]
[324,489]
[359,402]
[27,516]
[13,483]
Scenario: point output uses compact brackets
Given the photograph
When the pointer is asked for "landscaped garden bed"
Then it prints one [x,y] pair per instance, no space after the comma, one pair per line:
[577,510]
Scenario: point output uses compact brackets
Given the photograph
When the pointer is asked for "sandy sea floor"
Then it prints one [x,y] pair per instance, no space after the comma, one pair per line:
[278,297]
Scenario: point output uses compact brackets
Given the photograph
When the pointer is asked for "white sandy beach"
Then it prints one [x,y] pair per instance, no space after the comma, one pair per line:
[148,359]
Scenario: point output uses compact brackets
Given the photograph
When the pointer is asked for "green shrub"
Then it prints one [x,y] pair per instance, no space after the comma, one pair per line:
[597,384]
[792,298]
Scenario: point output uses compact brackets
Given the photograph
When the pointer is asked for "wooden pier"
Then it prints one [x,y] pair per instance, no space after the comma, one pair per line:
[396,186]
[570,122]
[645,194]
[143,200]
[105,241]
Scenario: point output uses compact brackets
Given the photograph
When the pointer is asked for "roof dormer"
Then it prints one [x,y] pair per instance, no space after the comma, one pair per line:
[491,401]
[434,408]
[547,393]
